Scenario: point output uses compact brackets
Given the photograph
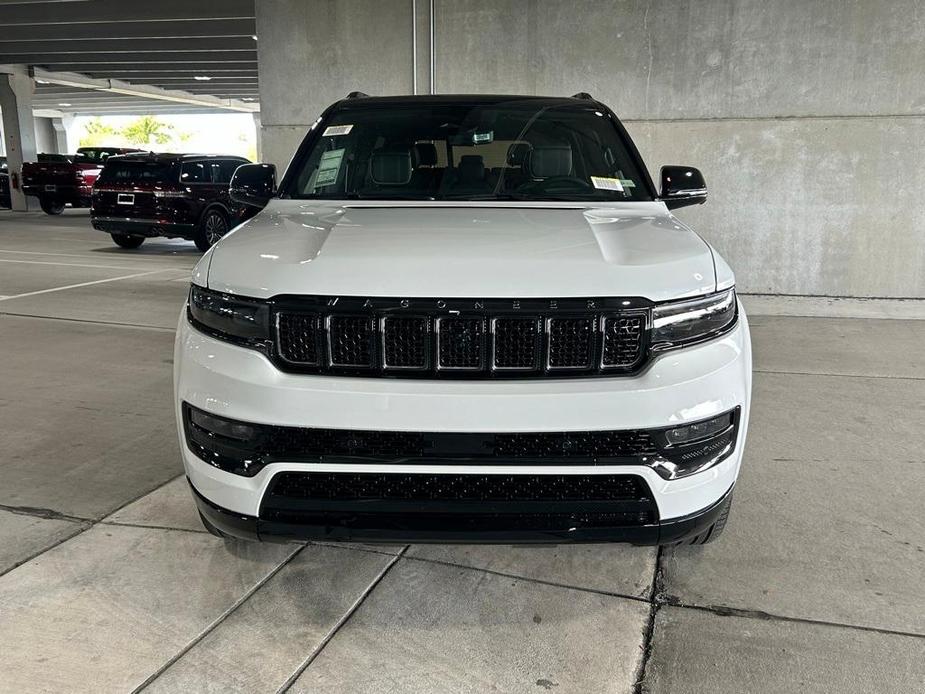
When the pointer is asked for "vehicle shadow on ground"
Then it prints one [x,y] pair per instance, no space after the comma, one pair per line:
[154,249]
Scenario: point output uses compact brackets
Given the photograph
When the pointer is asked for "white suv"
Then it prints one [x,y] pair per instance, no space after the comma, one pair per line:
[464,318]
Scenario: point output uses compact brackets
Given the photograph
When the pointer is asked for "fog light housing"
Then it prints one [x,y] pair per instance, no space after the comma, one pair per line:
[698,430]
[221,427]
[695,447]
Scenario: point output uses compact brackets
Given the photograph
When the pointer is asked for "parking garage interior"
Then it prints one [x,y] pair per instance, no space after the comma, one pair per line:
[806,119]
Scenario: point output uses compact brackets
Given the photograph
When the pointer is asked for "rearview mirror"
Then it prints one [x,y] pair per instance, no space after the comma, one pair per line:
[253,184]
[682,186]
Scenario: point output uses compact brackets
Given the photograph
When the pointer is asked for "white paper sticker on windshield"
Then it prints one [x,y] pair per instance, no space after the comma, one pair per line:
[334,130]
[602,183]
[328,168]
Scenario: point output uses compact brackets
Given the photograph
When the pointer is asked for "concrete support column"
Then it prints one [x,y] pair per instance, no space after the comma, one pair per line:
[259,136]
[422,36]
[18,128]
[63,127]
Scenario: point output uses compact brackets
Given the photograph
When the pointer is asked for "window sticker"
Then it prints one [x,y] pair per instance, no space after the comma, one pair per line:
[602,183]
[628,182]
[335,130]
[328,168]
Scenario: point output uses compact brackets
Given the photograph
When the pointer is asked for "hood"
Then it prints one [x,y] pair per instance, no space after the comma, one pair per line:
[472,251]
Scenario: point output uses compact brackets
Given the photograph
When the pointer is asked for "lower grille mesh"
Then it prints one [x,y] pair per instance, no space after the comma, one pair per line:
[424,487]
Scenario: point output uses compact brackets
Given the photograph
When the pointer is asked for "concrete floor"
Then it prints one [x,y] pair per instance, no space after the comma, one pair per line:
[108,583]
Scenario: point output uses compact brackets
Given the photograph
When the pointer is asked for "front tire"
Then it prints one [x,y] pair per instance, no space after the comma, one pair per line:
[126,241]
[214,226]
[52,207]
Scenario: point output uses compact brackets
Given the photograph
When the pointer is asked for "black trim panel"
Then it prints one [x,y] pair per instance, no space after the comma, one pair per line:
[384,528]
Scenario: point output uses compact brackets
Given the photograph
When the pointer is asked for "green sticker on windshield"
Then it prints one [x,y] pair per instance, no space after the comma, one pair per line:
[328,168]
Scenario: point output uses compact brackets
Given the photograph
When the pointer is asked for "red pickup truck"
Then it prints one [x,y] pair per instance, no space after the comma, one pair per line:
[67,178]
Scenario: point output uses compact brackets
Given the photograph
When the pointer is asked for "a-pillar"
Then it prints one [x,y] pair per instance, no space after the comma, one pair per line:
[16,90]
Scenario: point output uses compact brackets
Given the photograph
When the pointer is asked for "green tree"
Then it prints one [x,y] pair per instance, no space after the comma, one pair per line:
[97,134]
[146,129]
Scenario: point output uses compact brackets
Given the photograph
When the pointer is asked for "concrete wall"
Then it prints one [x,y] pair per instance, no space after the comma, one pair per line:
[45,136]
[807,117]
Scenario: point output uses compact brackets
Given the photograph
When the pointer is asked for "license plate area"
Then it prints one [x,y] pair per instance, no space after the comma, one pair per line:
[51,189]
[125,199]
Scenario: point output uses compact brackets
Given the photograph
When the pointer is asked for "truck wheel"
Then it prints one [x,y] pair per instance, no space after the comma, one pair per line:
[212,227]
[126,241]
[51,206]
[714,531]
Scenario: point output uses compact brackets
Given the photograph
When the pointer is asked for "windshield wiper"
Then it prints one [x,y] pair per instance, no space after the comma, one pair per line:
[525,197]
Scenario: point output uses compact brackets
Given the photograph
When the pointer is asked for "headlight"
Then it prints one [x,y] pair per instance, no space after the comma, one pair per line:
[229,316]
[683,322]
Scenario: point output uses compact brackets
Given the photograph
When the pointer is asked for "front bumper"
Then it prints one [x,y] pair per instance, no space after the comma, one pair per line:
[676,388]
[405,528]
[148,228]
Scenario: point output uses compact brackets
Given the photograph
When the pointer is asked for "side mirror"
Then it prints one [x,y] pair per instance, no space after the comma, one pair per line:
[253,184]
[682,186]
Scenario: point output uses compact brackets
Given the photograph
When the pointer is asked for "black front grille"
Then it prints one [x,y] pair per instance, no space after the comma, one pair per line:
[406,342]
[351,341]
[298,338]
[623,340]
[453,502]
[517,343]
[481,339]
[453,487]
[571,343]
[461,343]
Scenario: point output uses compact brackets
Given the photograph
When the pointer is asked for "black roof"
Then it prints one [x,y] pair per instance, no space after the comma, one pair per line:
[171,157]
[356,99]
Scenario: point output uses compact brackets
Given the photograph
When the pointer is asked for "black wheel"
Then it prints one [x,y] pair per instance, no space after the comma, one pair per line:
[212,227]
[714,531]
[211,528]
[126,241]
[51,206]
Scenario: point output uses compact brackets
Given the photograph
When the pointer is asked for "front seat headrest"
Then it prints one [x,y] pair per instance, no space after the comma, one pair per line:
[425,154]
[471,167]
[550,160]
[390,167]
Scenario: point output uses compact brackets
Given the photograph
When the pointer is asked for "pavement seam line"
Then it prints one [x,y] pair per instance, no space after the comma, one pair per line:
[527,579]
[123,524]
[745,613]
[830,375]
[218,621]
[86,526]
[114,324]
[83,265]
[46,513]
[648,633]
[80,284]
[332,632]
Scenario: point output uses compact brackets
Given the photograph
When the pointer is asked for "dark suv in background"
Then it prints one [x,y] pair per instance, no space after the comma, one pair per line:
[138,196]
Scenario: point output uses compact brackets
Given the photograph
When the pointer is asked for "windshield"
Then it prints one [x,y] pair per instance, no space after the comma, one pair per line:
[117,171]
[517,150]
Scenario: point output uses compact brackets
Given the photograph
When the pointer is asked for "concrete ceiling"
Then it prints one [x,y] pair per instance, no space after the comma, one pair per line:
[119,44]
